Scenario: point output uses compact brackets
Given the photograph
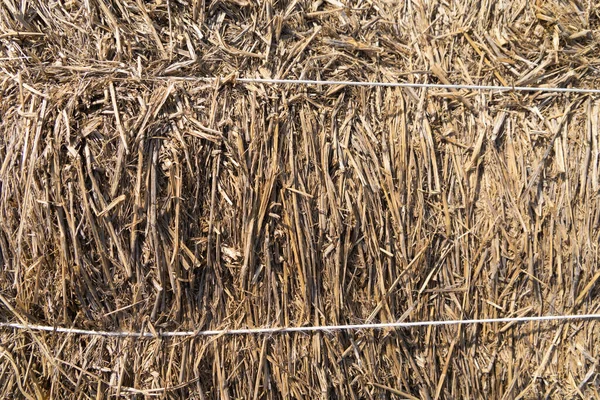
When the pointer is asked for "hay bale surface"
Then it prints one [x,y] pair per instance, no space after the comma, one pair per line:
[130,200]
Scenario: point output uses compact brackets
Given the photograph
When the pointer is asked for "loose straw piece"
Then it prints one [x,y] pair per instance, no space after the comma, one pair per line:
[305,329]
[386,84]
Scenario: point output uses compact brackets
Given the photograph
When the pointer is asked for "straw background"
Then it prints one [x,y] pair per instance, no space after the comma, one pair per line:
[134,203]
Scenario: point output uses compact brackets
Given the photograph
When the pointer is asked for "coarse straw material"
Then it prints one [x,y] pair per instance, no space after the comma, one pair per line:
[138,197]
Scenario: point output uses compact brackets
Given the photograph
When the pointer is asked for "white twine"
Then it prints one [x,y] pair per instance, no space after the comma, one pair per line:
[304,329]
[385,84]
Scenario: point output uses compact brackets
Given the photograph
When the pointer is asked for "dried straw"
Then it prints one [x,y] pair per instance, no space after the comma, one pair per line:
[129,203]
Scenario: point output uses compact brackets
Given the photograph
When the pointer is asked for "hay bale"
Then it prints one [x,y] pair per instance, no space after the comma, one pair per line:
[131,200]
